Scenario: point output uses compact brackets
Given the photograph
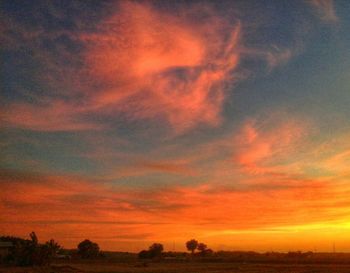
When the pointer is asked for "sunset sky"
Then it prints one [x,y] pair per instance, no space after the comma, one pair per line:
[129,123]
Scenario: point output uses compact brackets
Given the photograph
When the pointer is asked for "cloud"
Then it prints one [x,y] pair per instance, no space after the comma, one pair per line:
[165,66]
[260,148]
[270,145]
[167,167]
[325,9]
[333,157]
[279,56]
[260,183]
[144,64]
[50,116]
[104,211]
[170,68]
[38,201]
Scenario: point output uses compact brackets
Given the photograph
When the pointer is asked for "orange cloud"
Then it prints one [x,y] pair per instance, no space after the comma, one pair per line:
[142,168]
[49,116]
[332,157]
[144,64]
[167,167]
[258,146]
[72,208]
[164,66]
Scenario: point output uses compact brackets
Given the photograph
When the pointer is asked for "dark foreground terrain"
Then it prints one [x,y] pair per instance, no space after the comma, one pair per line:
[175,267]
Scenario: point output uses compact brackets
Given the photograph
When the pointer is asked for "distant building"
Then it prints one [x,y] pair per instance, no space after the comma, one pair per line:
[5,249]
[63,256]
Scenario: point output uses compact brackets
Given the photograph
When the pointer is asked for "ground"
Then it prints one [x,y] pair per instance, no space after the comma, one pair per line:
[176,267]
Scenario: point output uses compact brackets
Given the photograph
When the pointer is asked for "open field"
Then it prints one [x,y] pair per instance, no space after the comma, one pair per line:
[175,267]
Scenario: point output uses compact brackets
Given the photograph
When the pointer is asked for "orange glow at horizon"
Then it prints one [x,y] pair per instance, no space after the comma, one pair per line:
[264,220]
[280,204]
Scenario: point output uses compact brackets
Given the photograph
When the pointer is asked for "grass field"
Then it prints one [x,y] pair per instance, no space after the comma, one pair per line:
[175,267]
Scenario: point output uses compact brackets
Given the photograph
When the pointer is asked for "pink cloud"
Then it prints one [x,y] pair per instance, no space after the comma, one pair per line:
[260,148]
[175,167]
[165,66]
[325,9]
[50,116]
[144,65]
[141,167]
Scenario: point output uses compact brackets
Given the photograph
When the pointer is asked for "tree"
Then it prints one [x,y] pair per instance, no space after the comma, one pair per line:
[88,249]
[208,252]
[53,247]
[156,250]
[192,245]
[41,253]
[144,254]
[33,251]
[34,238]
[29,252]
[50,248]
[202,247]
[204,250]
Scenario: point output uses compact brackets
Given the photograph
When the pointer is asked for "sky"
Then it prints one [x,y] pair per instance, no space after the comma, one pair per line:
[133,122]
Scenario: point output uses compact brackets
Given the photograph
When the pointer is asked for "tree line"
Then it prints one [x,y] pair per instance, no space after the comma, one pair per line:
[156,250]
[25,252]
[28,252]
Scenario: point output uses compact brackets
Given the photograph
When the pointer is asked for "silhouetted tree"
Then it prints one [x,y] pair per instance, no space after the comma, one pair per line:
[53,247]
[192,245]
[202,247]
[156,250]
[208,252]
[50,248]
[34,238]
[144,254]
[29,252]
[41,254]
[88,249]
[204,250]
[33,251]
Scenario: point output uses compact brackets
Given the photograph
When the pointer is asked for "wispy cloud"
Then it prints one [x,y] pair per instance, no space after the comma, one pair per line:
[54,115]
[262,174]
[177,77]
[157,214]
[148,65]
[258,146]
[325,9]
[144,65]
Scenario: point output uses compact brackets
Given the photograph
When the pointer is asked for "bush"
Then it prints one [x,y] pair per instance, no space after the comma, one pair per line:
[88,249]
[154,251]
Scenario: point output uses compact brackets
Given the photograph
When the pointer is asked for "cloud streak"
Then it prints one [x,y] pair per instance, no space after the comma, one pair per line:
[261,173]
[325,9]
[155,213]
[167,66]
[259,146]
[143,65]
